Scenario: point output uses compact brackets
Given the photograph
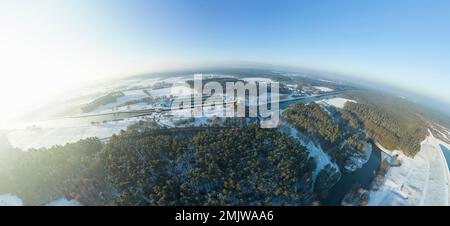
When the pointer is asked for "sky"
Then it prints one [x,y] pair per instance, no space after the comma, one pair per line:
[48,46]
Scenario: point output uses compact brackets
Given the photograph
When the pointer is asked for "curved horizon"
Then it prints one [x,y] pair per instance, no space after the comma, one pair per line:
[53,46]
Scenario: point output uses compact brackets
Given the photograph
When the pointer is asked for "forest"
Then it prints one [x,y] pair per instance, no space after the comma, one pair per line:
[38,176]
[243,165]
[103,100]
[337,132]
[314,122]
[234,163]
[220,166]
[393,122]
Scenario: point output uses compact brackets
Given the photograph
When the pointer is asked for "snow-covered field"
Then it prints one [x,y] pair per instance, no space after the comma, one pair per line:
[139,94]
[258,79]
[129,96]
[422,181]
[336,102]
[65,130]
[50,136]
[324,89]
[176,90]
[329,81]
[64,202]
[10,200]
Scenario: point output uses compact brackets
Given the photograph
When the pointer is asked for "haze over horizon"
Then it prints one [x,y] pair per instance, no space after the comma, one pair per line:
[48,46]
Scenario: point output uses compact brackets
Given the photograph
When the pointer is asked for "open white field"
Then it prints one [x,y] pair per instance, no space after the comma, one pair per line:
[422,181]
[47,137]
[10,200]
[324,89]
[335,102]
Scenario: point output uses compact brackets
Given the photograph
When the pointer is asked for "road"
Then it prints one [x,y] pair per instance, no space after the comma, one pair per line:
[149,111]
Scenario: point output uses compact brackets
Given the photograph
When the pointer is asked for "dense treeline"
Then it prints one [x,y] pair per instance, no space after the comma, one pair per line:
[243,165]
[313,119]
[337,132]
[38,176]
[109,98]
[233,166]
[304,80]
[391,121]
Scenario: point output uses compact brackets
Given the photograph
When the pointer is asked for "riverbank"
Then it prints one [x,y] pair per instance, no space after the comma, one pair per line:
[361,178]
[418,181]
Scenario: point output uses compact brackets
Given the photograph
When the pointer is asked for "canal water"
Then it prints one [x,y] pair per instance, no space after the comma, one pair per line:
[362,177]
[446,153]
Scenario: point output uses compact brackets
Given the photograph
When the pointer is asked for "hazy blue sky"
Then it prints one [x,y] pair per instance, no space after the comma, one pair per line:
[401,42]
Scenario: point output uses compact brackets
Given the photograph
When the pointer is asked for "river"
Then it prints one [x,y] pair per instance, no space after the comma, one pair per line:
[362,176]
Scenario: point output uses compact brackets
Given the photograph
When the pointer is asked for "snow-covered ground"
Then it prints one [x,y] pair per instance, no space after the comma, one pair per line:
[324,89]
[140,94]
[151,81]
[65,130]
[10,200]
[176,90]
[171,118]
[316,152]
[329,81]
[336,102]
[443,134]
[50,136]
[258,79]
[64,202]
[357,161]
[292,86]
[421,181]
